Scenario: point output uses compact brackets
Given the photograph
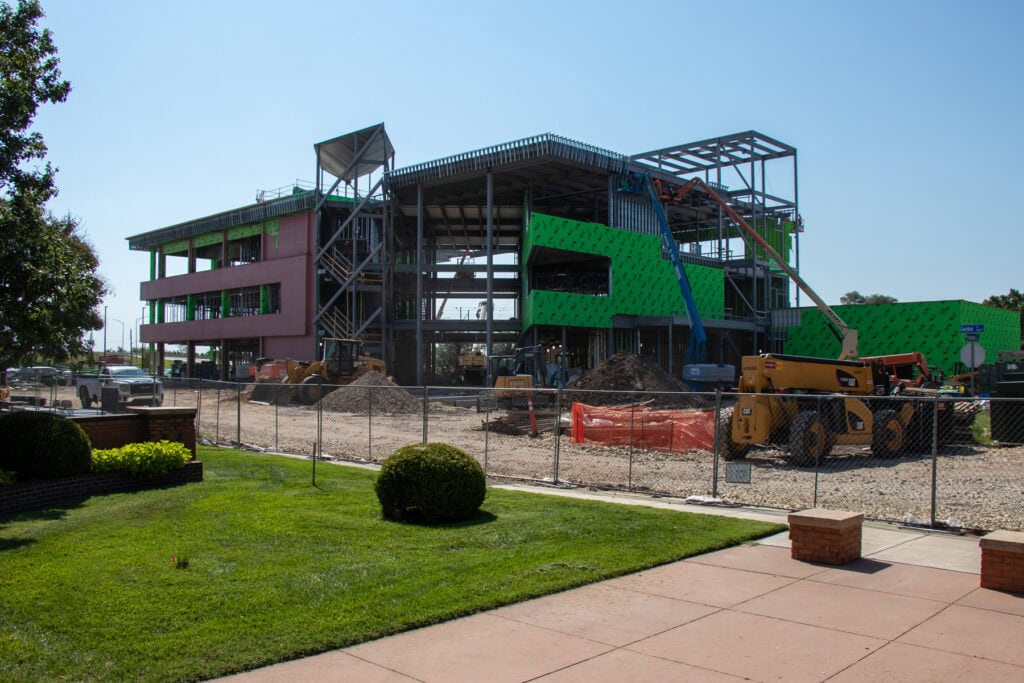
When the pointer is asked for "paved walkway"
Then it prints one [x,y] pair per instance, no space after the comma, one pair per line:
[910,610]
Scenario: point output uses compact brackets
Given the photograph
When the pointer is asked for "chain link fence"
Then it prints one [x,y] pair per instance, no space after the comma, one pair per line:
[927,460]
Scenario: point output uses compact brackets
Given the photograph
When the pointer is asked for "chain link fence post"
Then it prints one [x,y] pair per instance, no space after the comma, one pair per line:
[318,444]
[817,460]
[216,419]
[369,424]
[487,426]
[935,455]
[426,392]
[199,405]
[717,446]
[632,415]
[558,434]
[238,415]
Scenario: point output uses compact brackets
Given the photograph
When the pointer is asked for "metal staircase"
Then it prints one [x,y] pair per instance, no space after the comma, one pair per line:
[350,254]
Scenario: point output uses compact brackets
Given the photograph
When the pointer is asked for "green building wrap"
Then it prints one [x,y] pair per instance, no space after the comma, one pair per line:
[642,282]
[930,327]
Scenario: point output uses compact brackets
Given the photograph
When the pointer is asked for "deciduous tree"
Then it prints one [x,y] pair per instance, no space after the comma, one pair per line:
[49,287]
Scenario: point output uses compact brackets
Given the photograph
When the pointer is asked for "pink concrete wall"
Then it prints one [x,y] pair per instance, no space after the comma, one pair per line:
[288,260]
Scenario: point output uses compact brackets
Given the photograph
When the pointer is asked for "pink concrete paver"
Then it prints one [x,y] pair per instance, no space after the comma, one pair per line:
[971,631]
[902,663]
[760,648]
[623,665]
[483,647]
[605,613]
[997,601]
[702,584]
[762,559]
[901,579]
[330,667]
[854,610]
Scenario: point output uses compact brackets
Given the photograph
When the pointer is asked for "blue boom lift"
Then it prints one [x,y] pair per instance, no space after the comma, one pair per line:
[697,372]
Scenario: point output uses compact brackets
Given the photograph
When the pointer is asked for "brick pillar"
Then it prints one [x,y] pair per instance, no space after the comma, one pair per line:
[826,536]
[172,424]
[1002,561]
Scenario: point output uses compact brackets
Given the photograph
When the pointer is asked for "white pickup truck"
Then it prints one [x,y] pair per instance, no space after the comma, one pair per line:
[134,387]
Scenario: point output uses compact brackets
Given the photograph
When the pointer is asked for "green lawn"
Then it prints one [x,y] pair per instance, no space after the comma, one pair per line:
[278,569]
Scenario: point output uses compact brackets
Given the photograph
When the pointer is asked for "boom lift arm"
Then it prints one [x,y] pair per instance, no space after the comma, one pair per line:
[697,351]
[846,335]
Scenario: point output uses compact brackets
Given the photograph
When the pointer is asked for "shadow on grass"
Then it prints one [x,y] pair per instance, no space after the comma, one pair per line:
[411,518]
[15,543]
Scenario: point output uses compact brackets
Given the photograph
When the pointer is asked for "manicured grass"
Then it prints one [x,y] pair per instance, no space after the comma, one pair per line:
[277,569]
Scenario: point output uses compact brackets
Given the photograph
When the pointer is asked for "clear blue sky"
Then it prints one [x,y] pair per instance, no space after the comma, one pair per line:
[906,115]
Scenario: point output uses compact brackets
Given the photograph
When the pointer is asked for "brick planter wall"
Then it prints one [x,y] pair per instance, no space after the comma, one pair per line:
[1002,561]
[141,424]
[33,495]
[826,536]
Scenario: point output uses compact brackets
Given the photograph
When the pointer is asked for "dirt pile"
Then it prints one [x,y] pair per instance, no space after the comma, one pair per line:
[627,379]
[373,391]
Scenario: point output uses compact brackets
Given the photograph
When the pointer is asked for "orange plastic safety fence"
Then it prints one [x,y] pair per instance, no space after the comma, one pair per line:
[660,430]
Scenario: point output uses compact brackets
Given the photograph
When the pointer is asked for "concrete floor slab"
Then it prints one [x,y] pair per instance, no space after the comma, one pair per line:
[701,584]
[971,631]
[623,665]
[330,667]
[760,648]
[764,559]
[605,613]
[902,579]
[997,601]
[869,613]
[482,647]
[958,553]
[902,663]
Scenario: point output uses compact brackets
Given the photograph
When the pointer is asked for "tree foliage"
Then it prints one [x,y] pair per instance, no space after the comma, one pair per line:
[856,297]
[49,287]
[1011,301]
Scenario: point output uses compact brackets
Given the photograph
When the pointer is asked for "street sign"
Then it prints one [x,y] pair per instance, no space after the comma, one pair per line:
[972,328]
[972,336]
[972,355]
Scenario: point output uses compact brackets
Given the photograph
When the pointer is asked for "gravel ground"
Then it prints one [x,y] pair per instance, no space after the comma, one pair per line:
[980,487]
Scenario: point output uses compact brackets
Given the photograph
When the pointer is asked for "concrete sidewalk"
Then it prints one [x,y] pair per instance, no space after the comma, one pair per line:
[910,610]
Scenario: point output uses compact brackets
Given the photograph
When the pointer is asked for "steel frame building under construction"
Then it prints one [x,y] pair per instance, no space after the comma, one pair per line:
[544,240]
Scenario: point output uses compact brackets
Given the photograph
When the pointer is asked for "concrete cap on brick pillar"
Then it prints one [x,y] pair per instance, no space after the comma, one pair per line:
[1004,541]
[826,519]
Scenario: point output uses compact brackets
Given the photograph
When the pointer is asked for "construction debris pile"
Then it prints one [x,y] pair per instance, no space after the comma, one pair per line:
[625,378]
[373,391]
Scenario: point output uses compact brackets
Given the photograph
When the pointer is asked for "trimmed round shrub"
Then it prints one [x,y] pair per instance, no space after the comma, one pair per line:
[431,482]
[43,446]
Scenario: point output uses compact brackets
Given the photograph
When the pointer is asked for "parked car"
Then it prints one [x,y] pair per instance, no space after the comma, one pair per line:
[39,374]
[134,386]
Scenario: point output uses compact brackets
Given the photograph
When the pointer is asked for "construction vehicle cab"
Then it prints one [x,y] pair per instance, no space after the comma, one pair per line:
[813,404]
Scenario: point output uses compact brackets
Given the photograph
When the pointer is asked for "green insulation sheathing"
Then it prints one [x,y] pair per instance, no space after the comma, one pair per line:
[930,327]
[642,282]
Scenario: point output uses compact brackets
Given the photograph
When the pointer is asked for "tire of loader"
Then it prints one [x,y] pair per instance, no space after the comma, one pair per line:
[727,448]
[311,390]
[888,438]
[809,439]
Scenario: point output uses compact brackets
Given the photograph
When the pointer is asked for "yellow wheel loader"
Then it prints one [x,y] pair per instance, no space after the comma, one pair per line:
[812,404]
[342,362]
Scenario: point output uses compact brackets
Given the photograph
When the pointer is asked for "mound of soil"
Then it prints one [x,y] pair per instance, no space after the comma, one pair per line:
[372,391]
[643,380]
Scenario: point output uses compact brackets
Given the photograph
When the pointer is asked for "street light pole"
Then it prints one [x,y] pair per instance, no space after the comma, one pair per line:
[104,330]
[122,331]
